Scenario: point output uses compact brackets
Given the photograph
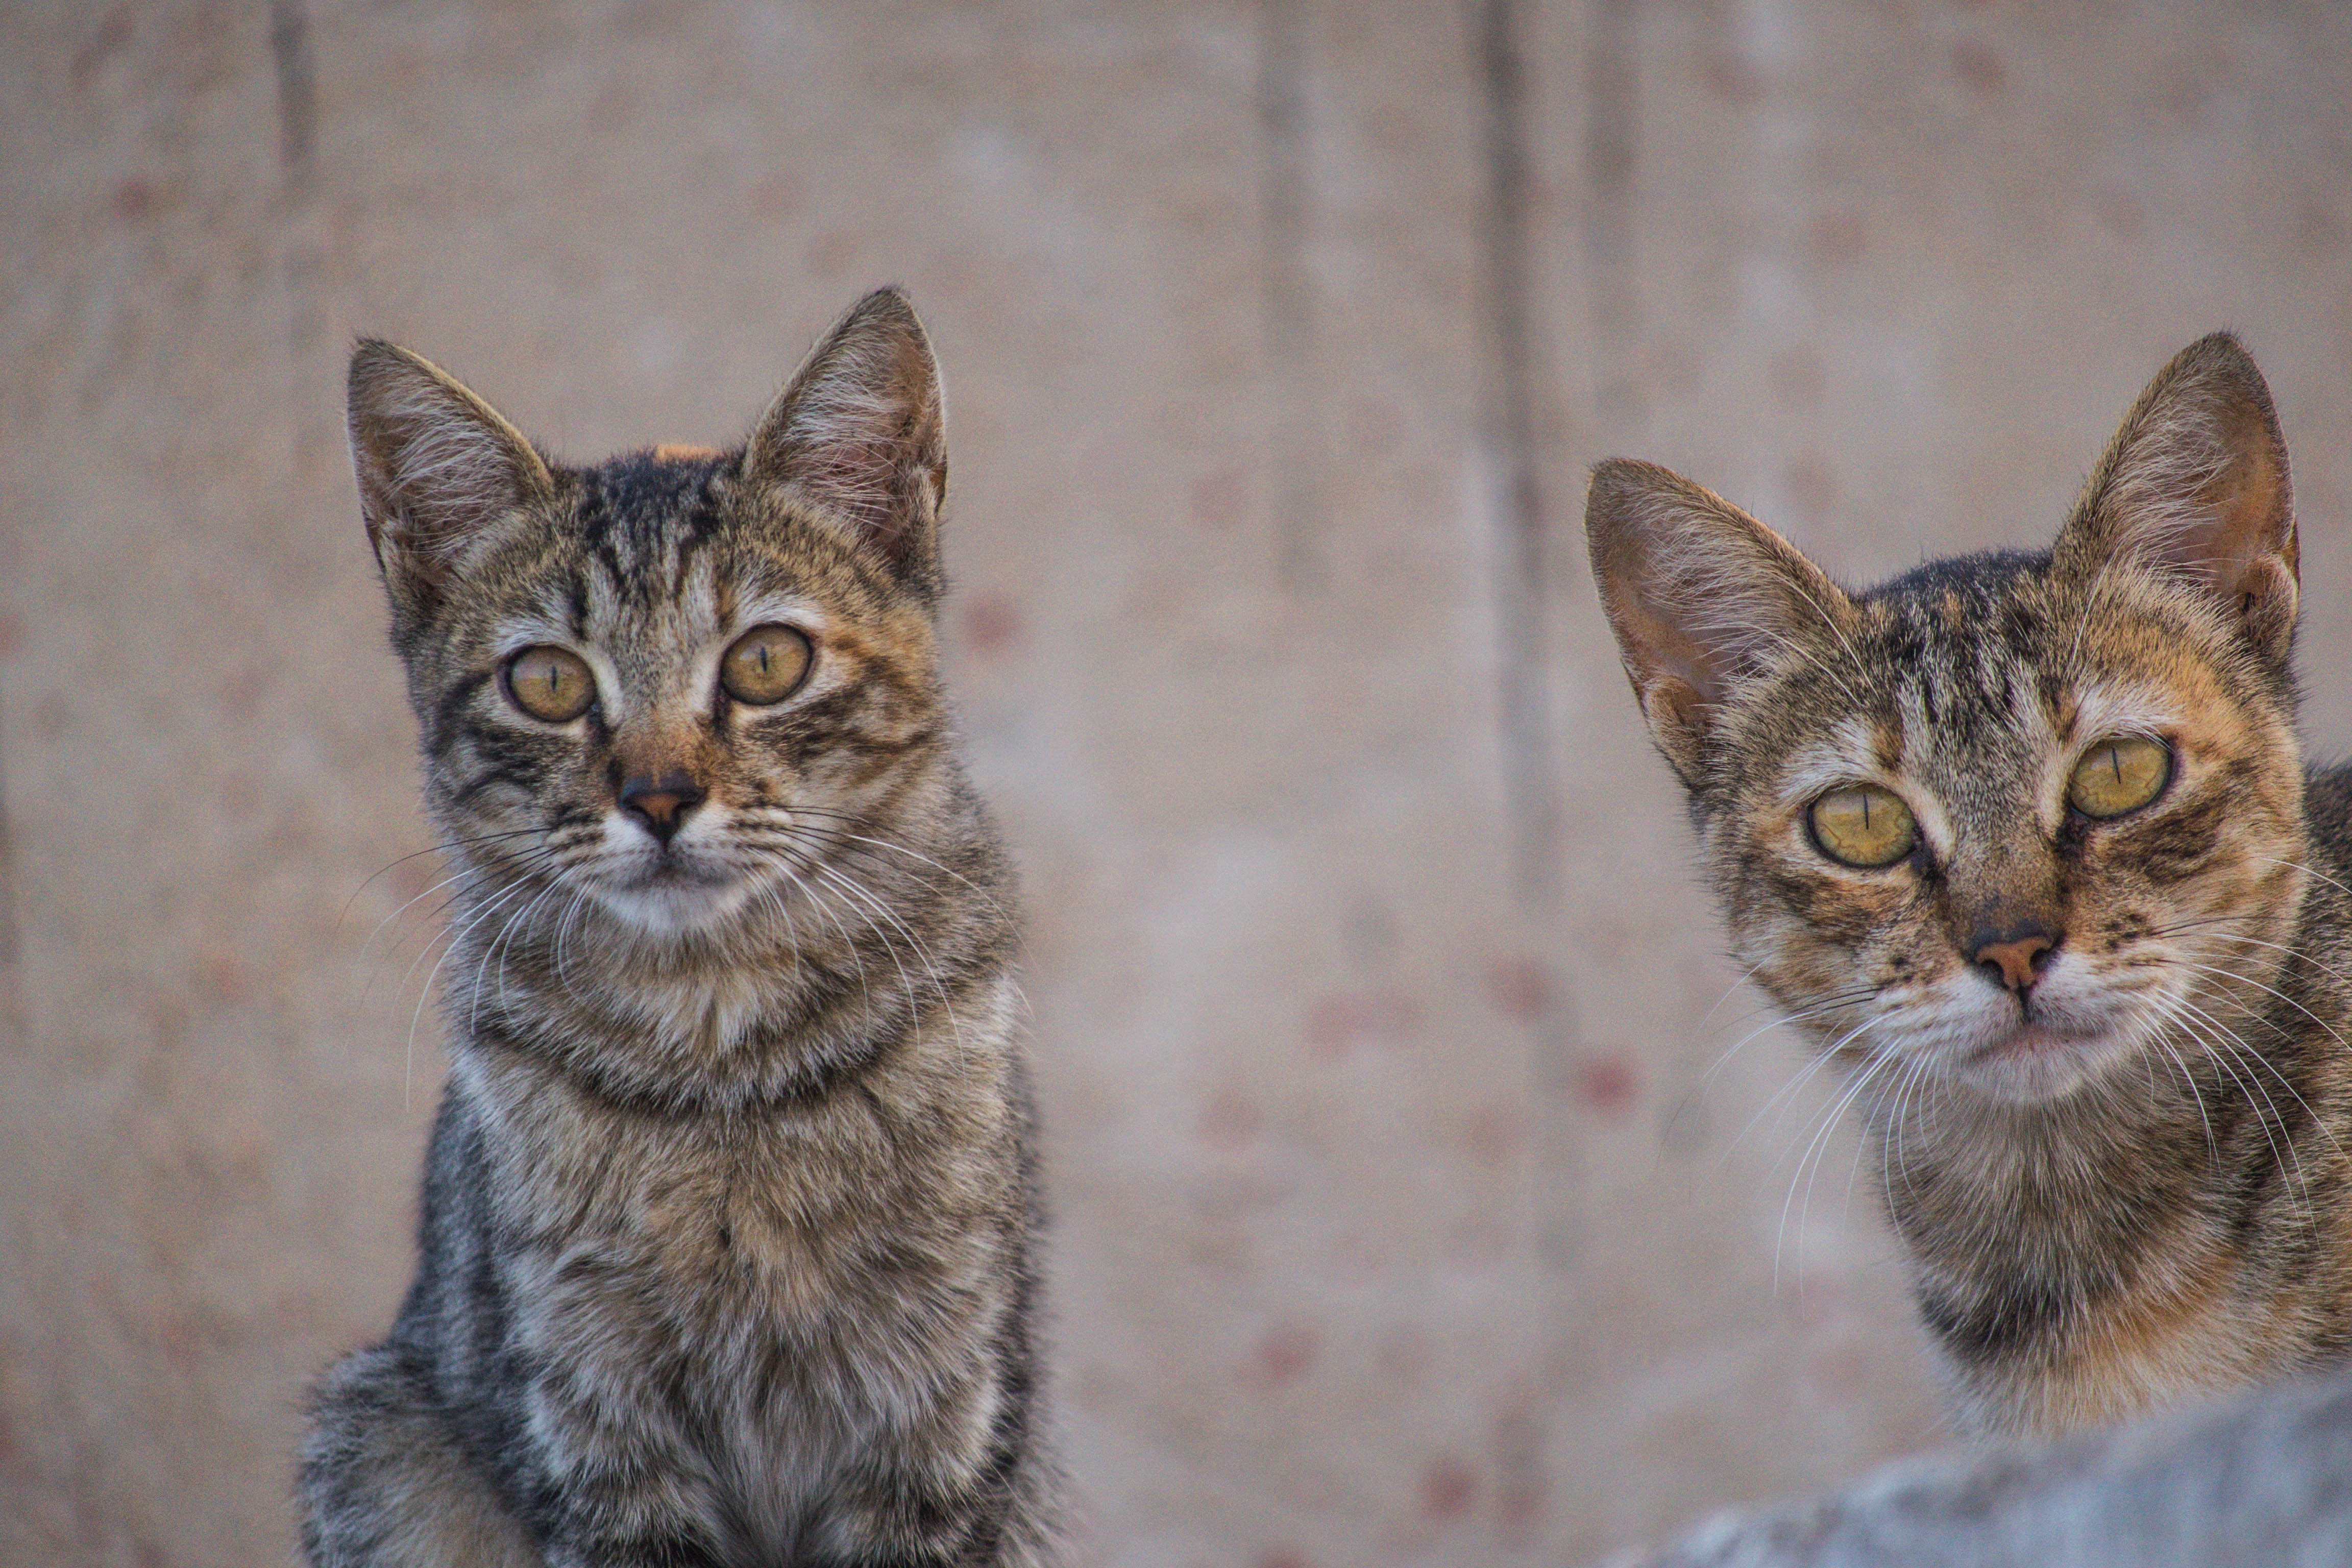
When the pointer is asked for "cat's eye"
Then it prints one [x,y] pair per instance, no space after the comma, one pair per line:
[551,683]
[1863,825]
[767,663]
[2118,775]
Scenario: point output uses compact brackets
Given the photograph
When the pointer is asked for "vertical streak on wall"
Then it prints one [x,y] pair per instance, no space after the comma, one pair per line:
[298,90]
[1513,400]
[13,1022]
[297,74]
[1607,229]
[1507,443]
[1293,426]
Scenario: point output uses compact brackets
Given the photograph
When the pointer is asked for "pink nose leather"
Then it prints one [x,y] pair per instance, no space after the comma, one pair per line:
[661,805]
[2019,961]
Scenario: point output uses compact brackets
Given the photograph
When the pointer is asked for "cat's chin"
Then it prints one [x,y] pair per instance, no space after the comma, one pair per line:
[673,903]
[2034,1063]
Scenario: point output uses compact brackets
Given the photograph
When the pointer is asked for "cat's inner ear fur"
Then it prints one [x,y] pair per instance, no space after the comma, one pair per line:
[1702,597]
[862,433]
[2196,483]
[439,470]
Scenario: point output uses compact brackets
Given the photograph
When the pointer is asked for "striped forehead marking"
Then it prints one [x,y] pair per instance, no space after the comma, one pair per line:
[644,520]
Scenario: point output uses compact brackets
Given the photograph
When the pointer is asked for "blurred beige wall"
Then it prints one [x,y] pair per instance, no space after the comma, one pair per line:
[1373,989]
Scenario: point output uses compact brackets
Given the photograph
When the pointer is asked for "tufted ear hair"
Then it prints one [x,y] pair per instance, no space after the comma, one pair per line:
[1701,596]
[439,472]
[861,434]
[2194,485]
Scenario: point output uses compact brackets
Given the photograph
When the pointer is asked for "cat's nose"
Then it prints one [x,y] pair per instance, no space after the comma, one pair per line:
[2017,957]
[662,803]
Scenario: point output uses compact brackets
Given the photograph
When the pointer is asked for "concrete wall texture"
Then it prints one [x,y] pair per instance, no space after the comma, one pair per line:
[1398,1220]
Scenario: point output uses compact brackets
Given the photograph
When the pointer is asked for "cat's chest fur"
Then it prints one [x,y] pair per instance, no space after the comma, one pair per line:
[2182,1317]
[778,1284]
[2082,1282]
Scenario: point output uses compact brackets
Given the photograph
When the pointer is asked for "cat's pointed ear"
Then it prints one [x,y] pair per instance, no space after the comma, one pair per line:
[439,470]
[2195,483]
[1701,596]
[862,433]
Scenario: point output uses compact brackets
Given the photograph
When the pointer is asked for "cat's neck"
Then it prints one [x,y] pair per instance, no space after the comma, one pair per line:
[788,999]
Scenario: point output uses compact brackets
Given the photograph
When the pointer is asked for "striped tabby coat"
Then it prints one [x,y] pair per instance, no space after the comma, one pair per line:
[730,1222]
[2025,843]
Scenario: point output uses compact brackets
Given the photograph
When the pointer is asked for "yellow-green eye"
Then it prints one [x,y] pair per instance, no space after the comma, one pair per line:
[1863,825]
[766,665]
[2119,775]
[549,683]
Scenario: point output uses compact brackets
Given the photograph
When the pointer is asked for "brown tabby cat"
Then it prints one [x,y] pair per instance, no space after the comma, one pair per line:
[729,1218]
[2025,843]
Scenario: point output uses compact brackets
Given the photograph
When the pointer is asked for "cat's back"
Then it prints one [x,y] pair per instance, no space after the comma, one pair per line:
[2328,815]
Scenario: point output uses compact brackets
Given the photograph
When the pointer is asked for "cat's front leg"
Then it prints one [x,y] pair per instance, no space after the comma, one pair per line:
[620,1519]
[615,1480]
[989,1514]
[660,1550]
[385,1482]
[908,1531]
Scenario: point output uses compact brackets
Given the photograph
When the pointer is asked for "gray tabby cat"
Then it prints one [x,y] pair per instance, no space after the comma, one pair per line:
[730,1224]
[2026,842]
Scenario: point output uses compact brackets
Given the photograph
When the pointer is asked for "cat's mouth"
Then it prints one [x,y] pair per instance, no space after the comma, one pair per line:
[670,891]
[2040,1058]
[2034,1038]
[670,868]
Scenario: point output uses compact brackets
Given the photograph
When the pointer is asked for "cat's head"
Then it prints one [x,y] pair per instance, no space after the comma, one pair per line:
[676,680]
[2009,821]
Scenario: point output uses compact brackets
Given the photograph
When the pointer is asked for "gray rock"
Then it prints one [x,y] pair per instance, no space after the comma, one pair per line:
[2266,1480]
